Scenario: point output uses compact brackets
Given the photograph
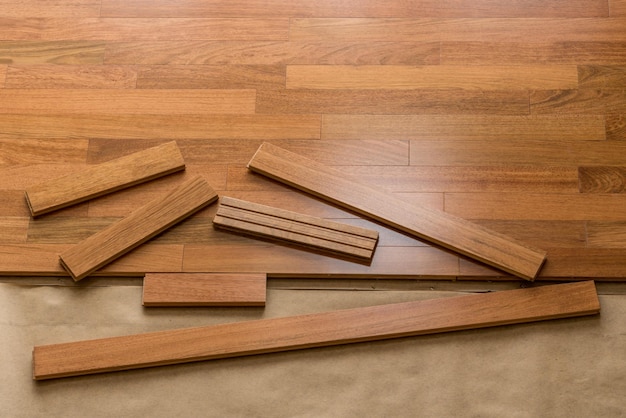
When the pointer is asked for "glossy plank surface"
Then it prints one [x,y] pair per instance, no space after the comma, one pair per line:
[323,329]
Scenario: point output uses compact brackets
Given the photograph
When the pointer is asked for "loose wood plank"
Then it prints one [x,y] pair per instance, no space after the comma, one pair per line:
[432,76]
[602,179]
[141,225]
[322,329]
[271,53]
[309,231]
[184,289]
[71,77]
[454,233]
[52,52]
[104,178]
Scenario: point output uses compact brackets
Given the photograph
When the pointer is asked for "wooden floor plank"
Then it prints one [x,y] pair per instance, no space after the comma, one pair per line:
[542,234]
[602,179]
[50,8]
[326,328]
[3,74]
[271,53]
[104,178]
[606,234]
[522,53]
[210,77]
[590,101]
[617,8]
[422,101]
[487,246]
[391,77]
[187,289]
[546,30]
[65,229]
[13,229]
[144,223]
[602,76]
[104,29]
[616,126]
[464,127]
[535,206]
[527,152]
[293,227]
[360,8]
[52,52]
[127,102]
[27,151]
[71,77]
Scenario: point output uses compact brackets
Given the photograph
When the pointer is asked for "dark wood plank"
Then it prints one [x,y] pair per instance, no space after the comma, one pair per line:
[422,101]
[606,234]
[52,52]
[602,179]
[589,101]
[186,289]
[324,329]
[616,126]
[448,231]
[71,77]
[210,77]
[271,53]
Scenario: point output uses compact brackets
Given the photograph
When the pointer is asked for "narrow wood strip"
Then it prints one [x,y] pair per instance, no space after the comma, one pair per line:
[52,52]
[432,76]
[602,179]
[3,74]
[589,101]
[127,101]
[49,8]
[141,225]
[322,329]
[104,178]
[71,77]
[205,289]
[271,53]
[464,127]
[210,77]
[454,233]
[310,231]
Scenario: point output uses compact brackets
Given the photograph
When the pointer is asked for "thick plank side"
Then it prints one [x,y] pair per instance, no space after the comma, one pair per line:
[184,289]
[322,329]
[602,179]
[432,76]
[141,225]
[104,178]
[270,222]
[52,52]
[71,77]
[449,231]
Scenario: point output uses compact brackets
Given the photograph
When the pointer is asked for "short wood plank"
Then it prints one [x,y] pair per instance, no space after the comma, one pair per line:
[138,227]
[309,231]
[602,76]
[576,101]
[52,52]
[104,178]
[204,289]
[602,179]
[315,330]
[210,76]
[449,231]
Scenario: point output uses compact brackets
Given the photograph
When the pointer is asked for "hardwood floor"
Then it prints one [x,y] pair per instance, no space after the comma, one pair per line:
[508,113]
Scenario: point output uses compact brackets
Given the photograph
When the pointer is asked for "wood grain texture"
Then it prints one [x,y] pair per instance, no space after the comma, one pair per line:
[593,101]
[183,289]
[71,77]
[13,229]
[617,8]
[432,76]
[606,234]
[33,150]
[104,178]
[616,126]
[210,77]
[127,102]
[271,53]
[323,329]
[602,179]
[360,8]
[49,8]
[421,101]
[52,52]
[309,231]
[602,76]
[464,127]
[3,74]
[141,225]
[475,242]
[103,29]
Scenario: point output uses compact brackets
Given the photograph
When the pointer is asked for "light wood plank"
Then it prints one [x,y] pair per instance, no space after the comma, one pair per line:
[451,232]
[52,52]
[50,8]
[141,225]
[602,76]
[602,179]
[104,178]
[127,102]
[545,30]
[165,126]
[589,101]
[13,229]
[383,102]
[210,77]
[271,53]
[27,151]
[185,289]
[323,329]
[499,77]
[270,222]
[606,234]
[543,234]
[103,29]
[3,74]
[71,77]
[464,127]
[65,229]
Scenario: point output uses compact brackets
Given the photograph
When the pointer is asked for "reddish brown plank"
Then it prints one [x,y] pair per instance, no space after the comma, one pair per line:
[616,127]
[589,101]
[210,77]
[617,8]
[50,52]
[602,76]
[71,77]
[3,73]
[602,179]
[606,234]
[186,289]
[323,329]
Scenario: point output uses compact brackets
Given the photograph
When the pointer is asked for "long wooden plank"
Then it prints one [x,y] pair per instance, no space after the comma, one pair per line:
[138,227]
[283,225]
[46,52]
[315,330]
[71,77]
[449,231]
[204,289]
[104,178]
